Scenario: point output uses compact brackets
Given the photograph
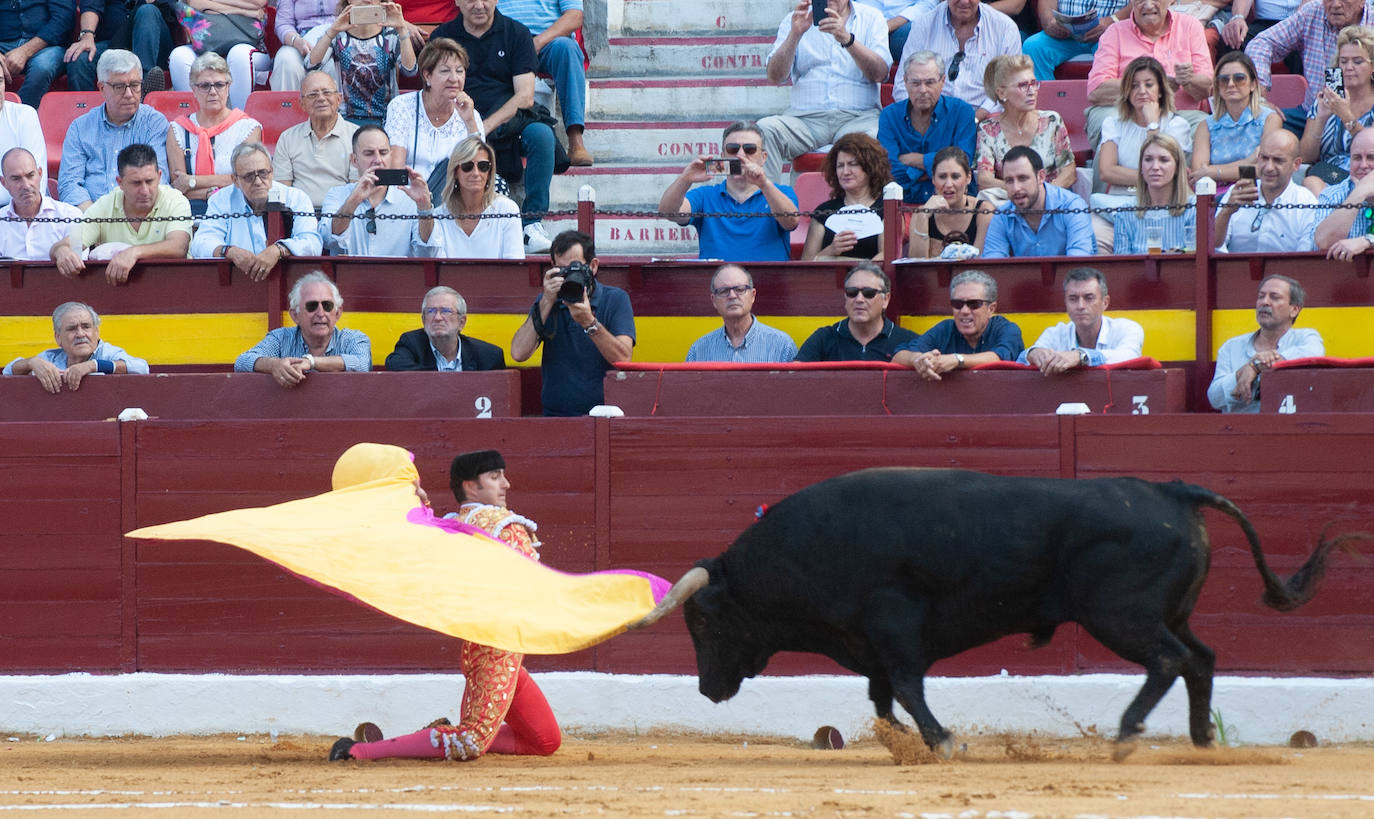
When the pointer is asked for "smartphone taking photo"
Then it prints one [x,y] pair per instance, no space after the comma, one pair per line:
[392,176]
[725,165]
[818,8]
[1247,172]
[366,15]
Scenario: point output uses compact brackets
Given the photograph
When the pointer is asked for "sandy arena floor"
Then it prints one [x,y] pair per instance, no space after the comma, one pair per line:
[685,775]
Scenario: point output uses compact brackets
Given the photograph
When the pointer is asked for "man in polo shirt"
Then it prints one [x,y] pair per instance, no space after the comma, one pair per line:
[314,155]
[914,129]
[973,336]
[159,225]
[20,236]
[1020,228]
[501,83]
[867,334]
[834,67]
[743,238]
[743,338]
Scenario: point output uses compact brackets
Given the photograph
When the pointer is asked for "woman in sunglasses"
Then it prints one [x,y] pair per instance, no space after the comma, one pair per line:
[1230,137]
[474,221]
[951,215]
[1010,81]
[1340,113]
[199,144]
[856,169]
[1162,189]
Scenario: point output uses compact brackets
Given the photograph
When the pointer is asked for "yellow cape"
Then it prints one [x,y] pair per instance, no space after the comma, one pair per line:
[371,539]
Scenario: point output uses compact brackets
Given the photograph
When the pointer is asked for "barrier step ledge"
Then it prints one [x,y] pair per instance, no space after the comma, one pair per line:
[653,17]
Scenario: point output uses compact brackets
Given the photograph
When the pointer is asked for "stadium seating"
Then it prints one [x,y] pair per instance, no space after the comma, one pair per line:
[812,190]
[1070,99]
[277,111]
[1288,91]
[172,104]
[56,111]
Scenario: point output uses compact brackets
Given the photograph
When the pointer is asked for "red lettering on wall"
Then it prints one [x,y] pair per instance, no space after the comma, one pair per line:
[731,62]
[615,234]
[720,21]
[690,150]
[658,234]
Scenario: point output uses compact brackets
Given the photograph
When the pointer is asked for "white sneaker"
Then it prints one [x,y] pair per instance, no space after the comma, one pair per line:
[536,240]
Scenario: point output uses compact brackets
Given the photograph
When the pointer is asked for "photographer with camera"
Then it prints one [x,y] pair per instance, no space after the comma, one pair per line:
[585,327]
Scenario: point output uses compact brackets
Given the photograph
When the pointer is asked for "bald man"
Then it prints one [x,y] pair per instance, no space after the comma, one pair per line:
[1342,232]
[1245,222]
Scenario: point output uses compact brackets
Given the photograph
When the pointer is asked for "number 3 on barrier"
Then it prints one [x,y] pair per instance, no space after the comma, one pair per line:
[483,406]
[1140,405]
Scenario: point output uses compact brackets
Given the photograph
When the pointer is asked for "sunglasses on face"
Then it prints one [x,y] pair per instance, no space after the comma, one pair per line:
[481,165]
[954,66]
[733,148]
[868,292]
[1232,79]
[738,290]
[972,304]
[256,176]
[312,306]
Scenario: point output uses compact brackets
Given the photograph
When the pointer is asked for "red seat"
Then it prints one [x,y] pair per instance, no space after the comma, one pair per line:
[277,111]
[1073,70]
[172,104]
[10,96]
[1070,99]
[56,111]
[807,163]
[885,94]
[1288,90]
[812,189]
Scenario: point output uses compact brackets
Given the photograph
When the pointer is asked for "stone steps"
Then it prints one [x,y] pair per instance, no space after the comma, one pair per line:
[687,98]
[652,18]
[667,142]
[635,188]
[684,56]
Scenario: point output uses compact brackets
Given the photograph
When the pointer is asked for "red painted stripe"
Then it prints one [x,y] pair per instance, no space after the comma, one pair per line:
[700,82]
[746,39]
[620,170]
[662,123]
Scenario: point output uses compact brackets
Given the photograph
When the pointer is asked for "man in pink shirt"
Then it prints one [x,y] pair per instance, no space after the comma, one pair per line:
[1176,40]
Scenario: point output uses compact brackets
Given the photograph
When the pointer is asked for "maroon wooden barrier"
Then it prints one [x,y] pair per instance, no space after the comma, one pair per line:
[676,393]
[655,494]
[1308,390]
[490,394]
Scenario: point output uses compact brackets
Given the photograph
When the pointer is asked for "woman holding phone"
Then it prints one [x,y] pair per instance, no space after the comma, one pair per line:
[1336,118]
[371,39]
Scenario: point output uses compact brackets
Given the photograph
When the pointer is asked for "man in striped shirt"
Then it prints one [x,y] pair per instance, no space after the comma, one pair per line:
[1311,32]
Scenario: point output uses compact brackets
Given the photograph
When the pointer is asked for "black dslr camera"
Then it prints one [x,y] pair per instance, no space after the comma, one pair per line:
[577,280]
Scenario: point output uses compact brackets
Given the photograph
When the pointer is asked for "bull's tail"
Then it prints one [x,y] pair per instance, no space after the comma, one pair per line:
[1281,594]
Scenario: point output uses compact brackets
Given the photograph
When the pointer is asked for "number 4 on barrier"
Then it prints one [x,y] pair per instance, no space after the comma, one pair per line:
[1140,405]
[483,406]
[1288,406]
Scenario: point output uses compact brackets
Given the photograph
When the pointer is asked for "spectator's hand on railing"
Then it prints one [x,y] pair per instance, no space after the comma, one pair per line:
[47,374]
[289,372]
[1347,249]
[118,267]
[72,376]
[68,261]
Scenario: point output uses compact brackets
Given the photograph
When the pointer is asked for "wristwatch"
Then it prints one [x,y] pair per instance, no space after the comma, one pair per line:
[190,183]
[591,329]
[309,359]
[959,361]
[1083,357]
[281,246]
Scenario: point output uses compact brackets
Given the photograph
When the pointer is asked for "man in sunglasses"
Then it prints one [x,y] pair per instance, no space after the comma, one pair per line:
[969,33]
[1247,221]
[974,336]
[1346,232]
[226,233]
[362,233]
[866,334]
[441,345]
[315,344]
[835,67]
[1039,219]
[752,190]
[743,338]
[926,120]
[1088,338]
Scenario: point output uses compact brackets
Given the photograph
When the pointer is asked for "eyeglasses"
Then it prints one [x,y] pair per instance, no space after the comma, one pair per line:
[1027,85]
[1232,79]
[312,306]
[954,66]
[319,95]
[738,290]
[263,175]
[122,88]
[446,312]
[732,148]
[371,214]
[972,304]
[868,292]
[481,165]
[924,83]
[207,87]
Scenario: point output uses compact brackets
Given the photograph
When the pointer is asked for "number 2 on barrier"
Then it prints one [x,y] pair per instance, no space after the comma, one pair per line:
[483,406]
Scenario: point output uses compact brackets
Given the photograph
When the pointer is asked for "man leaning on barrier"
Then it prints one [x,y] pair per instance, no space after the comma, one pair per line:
[1344,219]
[315,344]
[1088,338]
[79,352]
[1242,360]
[973,336]
[866,333]
[1019,226]
[742,337]
[235,222]
[440,345]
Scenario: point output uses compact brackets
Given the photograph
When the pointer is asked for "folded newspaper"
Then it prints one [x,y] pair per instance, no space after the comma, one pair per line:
[1077,24]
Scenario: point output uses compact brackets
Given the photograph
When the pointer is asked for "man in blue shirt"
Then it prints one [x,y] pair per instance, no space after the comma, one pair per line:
[914,129]
[742,337]
[743,238]
[315,344]
[38,32]
[79,352]
[1022,227]
[583,333]
[974,336]
[90,151]
[553,24]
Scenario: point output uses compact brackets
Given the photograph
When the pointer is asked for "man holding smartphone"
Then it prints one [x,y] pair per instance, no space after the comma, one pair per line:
[379,191]
[1266,211]
[749,190]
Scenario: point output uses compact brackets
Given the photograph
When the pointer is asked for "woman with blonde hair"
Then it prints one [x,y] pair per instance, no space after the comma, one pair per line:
[474,221]
[1010,81]
[1338,115]
[199,145]
[1240,118]
[857,169]
[1163,198]
[1146,105]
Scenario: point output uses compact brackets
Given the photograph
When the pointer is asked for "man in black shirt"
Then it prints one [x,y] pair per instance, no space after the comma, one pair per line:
[867,335]
[501,83]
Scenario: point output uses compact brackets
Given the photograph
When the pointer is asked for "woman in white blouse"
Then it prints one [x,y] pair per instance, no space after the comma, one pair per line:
[199,145]
[474,221]
[424,126]
[19,128]
[1146,106]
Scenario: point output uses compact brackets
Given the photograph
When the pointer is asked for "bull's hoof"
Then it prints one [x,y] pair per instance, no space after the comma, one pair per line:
[945,749]
[1123,749]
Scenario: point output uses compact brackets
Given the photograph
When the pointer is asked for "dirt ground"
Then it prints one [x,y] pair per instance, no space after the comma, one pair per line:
[685,775]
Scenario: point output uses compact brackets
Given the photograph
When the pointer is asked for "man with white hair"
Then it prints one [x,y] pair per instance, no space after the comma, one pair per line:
[315,344]
[79,352]
[440,345]
[91,148]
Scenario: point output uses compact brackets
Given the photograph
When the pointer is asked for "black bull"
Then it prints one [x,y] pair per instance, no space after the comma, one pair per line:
[888,570]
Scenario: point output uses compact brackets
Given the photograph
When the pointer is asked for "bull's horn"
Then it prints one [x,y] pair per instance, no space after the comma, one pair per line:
[695,579]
